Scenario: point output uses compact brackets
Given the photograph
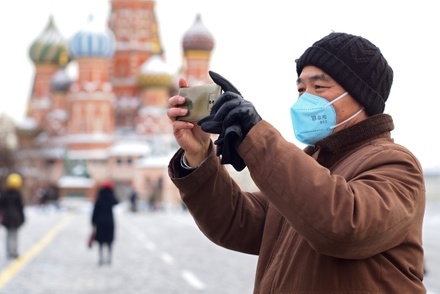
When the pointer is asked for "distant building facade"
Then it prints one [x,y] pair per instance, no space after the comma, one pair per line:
[110,121]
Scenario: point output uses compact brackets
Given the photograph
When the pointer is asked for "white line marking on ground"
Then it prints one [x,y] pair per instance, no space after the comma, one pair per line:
[150,246]
[188,276]
[193,280]
[167,258]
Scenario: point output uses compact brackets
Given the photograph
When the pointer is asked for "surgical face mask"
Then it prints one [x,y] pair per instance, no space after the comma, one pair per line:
[314,118]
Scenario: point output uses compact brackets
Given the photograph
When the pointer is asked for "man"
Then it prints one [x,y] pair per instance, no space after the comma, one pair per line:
[345,214]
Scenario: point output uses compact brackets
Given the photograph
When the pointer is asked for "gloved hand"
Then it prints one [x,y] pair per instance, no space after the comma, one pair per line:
[215,126]
[223,83]
[232,117]
[227,145]
[229,92]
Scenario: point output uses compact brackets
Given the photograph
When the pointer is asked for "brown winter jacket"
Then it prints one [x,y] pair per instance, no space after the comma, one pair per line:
[347,218]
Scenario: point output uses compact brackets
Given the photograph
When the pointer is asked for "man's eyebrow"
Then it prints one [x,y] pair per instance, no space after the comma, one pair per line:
[319,77]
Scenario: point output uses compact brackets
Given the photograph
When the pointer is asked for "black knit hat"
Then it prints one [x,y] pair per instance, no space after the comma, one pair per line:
[356,64]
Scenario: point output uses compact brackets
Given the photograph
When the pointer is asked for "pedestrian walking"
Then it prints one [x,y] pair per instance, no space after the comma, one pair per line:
[103,221]
[12,212]
[342,215]
[133,197]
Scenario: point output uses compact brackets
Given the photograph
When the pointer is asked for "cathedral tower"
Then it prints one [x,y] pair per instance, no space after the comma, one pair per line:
[135,27]
[197,44]
[49,53]
[155,83]
[91,115]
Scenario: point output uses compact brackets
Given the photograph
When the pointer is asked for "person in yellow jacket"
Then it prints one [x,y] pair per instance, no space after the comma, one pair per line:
[12,212]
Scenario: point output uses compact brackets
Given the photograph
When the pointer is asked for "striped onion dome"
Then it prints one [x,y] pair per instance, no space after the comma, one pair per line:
[198,38]
[92,42]
[49,47]
[154,73]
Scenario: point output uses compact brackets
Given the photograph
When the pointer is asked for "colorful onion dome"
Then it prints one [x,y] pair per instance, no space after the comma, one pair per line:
[154,73]
[50,47]
[198,38]
[92,42]
[61,81]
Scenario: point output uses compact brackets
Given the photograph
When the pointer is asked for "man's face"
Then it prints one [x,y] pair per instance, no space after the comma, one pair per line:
[315,81]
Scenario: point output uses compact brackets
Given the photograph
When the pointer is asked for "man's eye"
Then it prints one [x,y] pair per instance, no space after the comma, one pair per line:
[320,87]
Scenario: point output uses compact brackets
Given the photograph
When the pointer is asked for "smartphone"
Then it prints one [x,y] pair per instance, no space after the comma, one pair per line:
[199,101]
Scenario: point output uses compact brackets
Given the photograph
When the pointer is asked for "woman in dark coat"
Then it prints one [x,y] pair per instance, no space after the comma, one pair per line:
[103,220]
[12,212]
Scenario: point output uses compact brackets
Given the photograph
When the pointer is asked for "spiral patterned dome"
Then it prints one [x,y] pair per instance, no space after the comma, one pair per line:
[92,42]
[154,73]
[198,38]
[50,47]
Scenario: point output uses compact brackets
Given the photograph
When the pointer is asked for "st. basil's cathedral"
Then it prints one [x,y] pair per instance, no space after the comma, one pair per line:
[109,122]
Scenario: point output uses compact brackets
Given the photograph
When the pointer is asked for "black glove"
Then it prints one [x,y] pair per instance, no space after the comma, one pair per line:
[231,117]
[214,122]
[227,145]
[230,110]
[223,83]
[229,90]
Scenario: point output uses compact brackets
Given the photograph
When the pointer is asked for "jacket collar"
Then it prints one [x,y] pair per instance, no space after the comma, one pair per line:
[379,125]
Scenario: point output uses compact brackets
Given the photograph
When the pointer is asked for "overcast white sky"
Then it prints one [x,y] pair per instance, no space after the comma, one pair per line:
[256,45]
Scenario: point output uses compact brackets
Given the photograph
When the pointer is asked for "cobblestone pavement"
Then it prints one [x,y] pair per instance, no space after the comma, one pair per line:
[160,252]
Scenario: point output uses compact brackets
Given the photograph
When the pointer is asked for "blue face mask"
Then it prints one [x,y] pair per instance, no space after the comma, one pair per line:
[314,118]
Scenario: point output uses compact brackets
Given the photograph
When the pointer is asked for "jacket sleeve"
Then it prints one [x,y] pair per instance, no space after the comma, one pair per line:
[350,213]
[228,216]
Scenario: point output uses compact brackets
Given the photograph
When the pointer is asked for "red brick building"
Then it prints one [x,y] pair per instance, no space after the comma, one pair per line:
[109,122]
